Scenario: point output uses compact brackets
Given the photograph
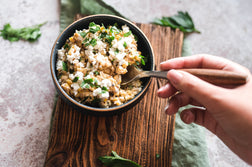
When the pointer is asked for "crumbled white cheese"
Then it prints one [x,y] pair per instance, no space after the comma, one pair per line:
[106,83]
[97,91]
[100,45]
[75,87]
[73,53]
[71,76]
[59,65]
[125,29]
[61,54]
[80,75]
[104,95]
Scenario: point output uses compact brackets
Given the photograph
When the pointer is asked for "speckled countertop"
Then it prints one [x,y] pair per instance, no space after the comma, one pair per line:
[26,89]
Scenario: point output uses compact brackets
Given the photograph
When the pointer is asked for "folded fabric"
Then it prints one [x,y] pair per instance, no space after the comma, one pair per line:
[189,147]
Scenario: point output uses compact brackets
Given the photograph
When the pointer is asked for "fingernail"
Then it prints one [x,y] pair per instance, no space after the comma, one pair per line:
[163,62]
[162,88]
[174,76]
[166,107]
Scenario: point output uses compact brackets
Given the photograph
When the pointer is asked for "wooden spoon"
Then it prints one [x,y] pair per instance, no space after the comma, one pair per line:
[218,77]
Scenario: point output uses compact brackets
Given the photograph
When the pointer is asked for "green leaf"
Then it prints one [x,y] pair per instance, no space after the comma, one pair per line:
[93,28]
[75,79]
[127,34]
[104,88]
[124,44]
[83,34]
[64,66]
[30,34]
[93,42]
[66,46]
[116,161]
[182,20]
[143,59]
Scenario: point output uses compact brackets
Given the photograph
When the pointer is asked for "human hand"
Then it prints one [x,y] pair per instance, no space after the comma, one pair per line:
[225,111]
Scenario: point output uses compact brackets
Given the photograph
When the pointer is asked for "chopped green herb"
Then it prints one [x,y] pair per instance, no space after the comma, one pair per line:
[89,80]
[83,34]
[87,86]
[93,42]
[115,160]
[127,34]
[104,88]
[182,20]
[124,44]
[116,51]
[66,46]
[93,28]
[136,38]
[109,38]
[103,35]
[75,79]
[143,60]
[64,66]
[30,34]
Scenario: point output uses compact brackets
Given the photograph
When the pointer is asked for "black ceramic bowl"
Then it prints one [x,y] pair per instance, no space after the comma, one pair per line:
[143,45]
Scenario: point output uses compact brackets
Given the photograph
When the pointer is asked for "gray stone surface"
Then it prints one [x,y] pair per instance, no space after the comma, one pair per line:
[26,88]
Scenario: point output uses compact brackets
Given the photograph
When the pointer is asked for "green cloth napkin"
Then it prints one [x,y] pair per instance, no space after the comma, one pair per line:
[189,147]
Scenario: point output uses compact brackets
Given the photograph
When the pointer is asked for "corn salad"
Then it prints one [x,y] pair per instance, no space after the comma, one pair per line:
[91,63]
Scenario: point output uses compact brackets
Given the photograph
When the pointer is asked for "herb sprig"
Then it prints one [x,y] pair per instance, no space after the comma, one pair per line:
[30,34]
[182,20]
[115,161]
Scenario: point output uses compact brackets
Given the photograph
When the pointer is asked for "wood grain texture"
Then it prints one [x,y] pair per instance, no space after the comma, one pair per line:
[138,134]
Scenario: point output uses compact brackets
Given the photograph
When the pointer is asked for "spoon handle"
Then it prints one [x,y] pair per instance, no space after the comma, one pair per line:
[218,77]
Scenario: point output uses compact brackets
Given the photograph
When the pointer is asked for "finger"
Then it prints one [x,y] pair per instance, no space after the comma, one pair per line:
[201,117]
[203,92]
[203,61]
[179,100]
[166,91]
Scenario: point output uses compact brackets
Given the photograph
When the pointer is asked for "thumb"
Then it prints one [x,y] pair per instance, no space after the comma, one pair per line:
[199,90]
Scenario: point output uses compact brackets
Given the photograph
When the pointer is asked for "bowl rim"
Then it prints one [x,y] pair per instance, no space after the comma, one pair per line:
[83,106]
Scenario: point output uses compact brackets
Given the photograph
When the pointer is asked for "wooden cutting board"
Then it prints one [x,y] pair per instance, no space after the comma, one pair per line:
[139,134]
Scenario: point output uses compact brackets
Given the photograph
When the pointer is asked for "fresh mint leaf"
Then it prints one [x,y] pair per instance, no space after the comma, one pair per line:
[116,161]
[30,34]
[182,20]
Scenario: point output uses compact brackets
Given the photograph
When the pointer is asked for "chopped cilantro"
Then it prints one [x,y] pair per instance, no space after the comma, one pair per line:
[64,66]
[109,38]
[143,60]
[104,88]
[66,46]
[75,79]
[127,34]
[116,51]
[83,34]
[87,86]
[93,28]
[93,42]
[124,44]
